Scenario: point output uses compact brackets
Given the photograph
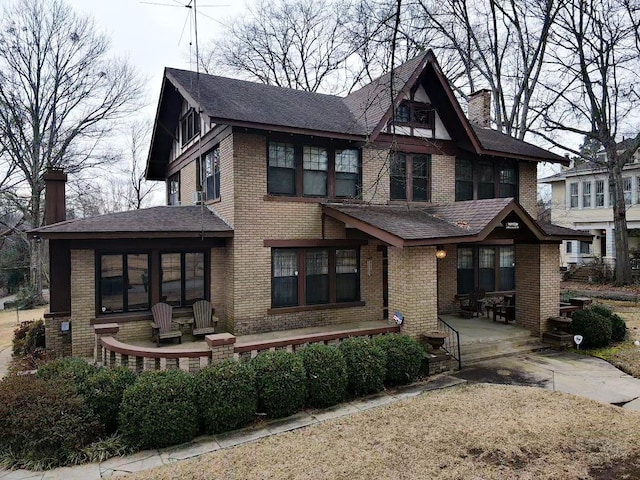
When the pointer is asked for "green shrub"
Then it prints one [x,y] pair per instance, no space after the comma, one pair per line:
[404,358]
[365,365]
[618,328]
[594,328]
[601,309]
[43,423]
[28,337]
[76,370]
[281,383]
[226,395]
[326,375]
[103,393]
[159,410]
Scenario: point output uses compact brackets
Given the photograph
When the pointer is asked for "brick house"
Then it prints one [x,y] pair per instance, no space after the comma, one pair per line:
[289,209]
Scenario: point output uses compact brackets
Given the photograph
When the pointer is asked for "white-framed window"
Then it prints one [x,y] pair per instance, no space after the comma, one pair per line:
[573,195]
[599,193]
[586,194]
[626,187]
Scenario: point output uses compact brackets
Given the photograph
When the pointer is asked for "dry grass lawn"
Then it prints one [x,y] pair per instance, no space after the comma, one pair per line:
[8,322]
[469,432]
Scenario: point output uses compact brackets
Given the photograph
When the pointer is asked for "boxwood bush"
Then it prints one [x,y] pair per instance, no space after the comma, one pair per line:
[326,375]
[76,370]
[404,358]
[43,423]
[103,393]
[601,309]
[226,395]
[159,409]
[618,328]
[594,328]
[281,383]
[366,365]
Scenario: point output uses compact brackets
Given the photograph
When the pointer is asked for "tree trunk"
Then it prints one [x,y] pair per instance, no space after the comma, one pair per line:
[623,267]
[35,246]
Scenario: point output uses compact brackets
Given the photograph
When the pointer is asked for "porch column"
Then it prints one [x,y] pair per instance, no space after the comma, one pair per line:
[413,288]
[537,285]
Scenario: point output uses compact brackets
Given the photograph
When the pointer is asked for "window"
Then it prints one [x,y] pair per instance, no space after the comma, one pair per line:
[626,183]
[123,284]
[212,174]
[600,193]
[464,179]
[508,178]
[638,190]
[314,276]
[486,181]
[573,195]
[182,278]
[347,173]
[569,247]
[281,177]
[585,248]
[173,193]
[189,125]
[313,171]
[403,113]
[489,267]
[416,114]
[586,194]
[315,162]
[410,177]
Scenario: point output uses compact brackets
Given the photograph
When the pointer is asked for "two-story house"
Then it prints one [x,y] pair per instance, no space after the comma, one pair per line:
[581,200]
[289,209]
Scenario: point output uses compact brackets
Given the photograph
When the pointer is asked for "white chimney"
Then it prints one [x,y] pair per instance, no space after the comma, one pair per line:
[479,106]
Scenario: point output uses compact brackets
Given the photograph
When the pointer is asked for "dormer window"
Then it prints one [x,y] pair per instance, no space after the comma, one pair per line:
[415,114]
[189,126]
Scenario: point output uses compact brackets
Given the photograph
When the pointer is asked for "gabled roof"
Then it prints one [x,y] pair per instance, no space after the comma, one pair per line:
[164,222]
[359,116]
[470,221]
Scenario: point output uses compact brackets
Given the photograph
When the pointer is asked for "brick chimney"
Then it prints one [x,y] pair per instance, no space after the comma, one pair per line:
[479,107]
[55,208]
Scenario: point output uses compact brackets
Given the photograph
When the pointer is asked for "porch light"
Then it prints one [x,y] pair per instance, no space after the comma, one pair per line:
[440,252]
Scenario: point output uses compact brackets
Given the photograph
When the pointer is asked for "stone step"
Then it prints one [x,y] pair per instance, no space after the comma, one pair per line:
[470,359]
[499,345]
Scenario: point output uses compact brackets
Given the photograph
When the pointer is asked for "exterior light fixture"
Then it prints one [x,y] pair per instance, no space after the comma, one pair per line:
[440,252]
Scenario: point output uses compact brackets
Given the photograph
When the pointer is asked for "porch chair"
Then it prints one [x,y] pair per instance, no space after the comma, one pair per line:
[473,307]
[205,322]
[163,323]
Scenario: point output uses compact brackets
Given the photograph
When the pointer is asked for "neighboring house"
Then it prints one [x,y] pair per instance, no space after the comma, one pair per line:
[291,209]
[581,200]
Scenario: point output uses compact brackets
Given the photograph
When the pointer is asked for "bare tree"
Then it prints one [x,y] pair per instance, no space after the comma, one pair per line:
[596,71]
[299,44]
[139,190]
[60,94]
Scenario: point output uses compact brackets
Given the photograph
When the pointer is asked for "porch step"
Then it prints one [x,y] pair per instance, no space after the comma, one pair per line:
[478,352]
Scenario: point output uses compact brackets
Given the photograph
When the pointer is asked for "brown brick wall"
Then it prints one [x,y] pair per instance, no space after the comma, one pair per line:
[83,302]
[443,178]
[58,343]
[528,194]
[413,288]
[537,285]
[448,281]
[187,183]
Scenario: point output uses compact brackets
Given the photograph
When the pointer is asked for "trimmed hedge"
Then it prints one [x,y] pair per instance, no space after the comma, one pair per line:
[76,370]
[594,328]
[226,395]
[366,365]
[404,358]
[43,423]
[618,328]
[601,309]
[159,409]
[326,375]
[103,394]
[281,383]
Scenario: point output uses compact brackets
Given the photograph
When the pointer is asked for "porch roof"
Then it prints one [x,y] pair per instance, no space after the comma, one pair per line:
[470,221]
[155,222]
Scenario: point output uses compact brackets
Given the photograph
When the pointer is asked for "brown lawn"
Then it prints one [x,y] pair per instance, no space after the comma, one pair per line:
[469,432]
[8,322]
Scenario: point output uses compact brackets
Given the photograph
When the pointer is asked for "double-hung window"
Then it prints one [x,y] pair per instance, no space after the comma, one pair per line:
[508,181]
[314,276]
[410,177]
[599,193]
[173,193]
[485,179]
[315,163]
[586,194]
[347,173]
[573,195]
[211,174]
[464,179]
[281,177]
[123,282]
[626,184]
[189,125]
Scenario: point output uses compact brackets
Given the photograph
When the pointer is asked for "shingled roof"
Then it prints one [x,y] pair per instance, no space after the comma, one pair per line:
[163,222]
[470,221]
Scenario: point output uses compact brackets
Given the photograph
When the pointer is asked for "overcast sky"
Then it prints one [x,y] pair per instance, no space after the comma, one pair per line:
[149,32]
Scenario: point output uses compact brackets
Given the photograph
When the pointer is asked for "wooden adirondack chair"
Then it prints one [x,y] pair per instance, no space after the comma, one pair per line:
[205,322]
[163,323]
[473,307]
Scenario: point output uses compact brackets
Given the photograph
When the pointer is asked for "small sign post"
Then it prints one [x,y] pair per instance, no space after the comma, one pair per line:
[578,340]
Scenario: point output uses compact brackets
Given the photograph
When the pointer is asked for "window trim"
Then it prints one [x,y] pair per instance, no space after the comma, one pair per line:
[409,177]
[586,195]
[476,265]
[600,195]
[189,116]
[573,196]
[206,268]
[301,280]
[125,291]
[475,175]
[203,175]
[173,178]
[298,169]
